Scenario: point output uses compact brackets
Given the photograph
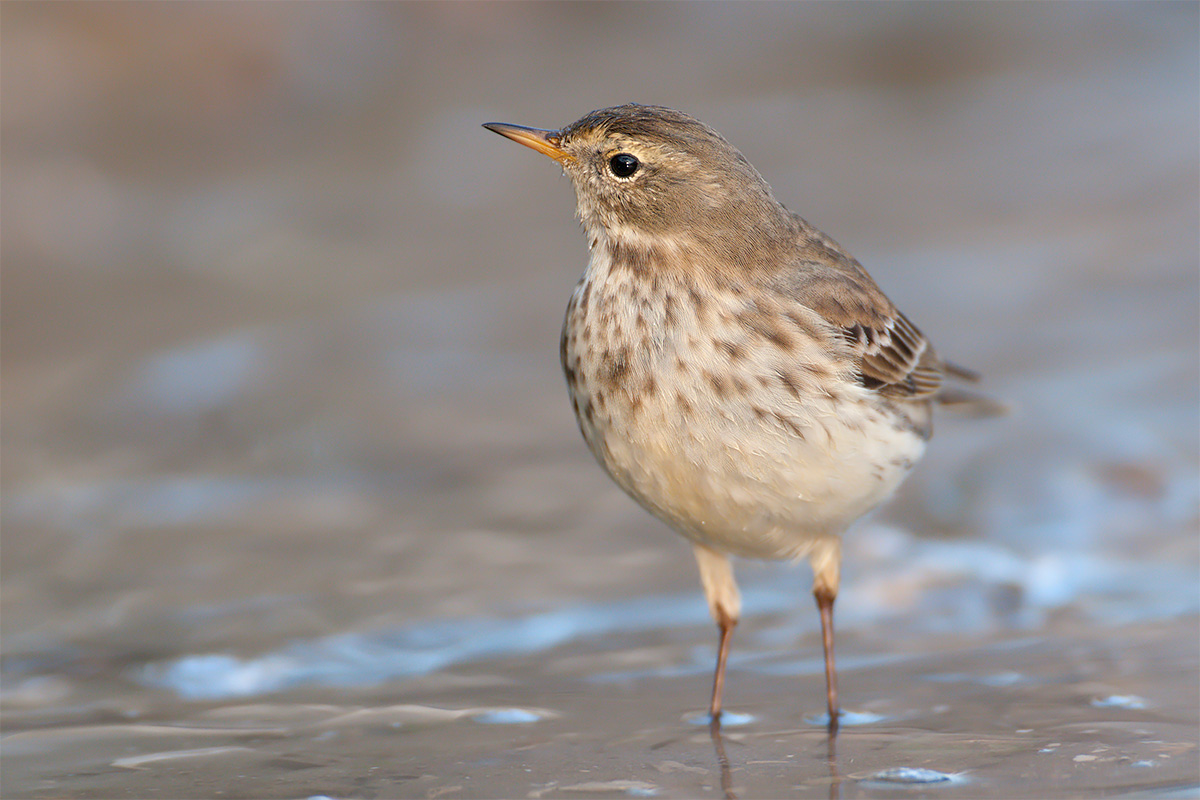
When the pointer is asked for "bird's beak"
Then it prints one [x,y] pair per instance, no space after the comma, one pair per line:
[545,142]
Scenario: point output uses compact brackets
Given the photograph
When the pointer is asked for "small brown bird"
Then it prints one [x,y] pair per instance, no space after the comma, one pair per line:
[732,368]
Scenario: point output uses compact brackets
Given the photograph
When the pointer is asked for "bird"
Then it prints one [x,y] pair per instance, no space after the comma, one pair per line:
[731,367]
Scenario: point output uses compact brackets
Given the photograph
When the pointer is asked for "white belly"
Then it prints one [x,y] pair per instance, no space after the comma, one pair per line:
[753,487]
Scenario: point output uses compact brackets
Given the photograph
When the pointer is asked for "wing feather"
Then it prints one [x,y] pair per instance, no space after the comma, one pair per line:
[891,354]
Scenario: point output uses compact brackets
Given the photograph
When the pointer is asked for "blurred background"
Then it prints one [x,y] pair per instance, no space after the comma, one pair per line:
[289,468]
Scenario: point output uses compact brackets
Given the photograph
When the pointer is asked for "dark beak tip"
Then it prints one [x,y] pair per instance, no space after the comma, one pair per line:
[544,141]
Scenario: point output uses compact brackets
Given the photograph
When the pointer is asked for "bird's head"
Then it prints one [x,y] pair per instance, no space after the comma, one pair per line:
[651,172]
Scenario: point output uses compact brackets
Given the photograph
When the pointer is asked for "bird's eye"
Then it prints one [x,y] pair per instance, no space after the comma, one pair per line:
[623,165]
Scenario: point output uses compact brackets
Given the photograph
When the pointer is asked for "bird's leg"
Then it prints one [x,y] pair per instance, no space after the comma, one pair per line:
[826,562]
[825,604]
[714,708]
[720,588]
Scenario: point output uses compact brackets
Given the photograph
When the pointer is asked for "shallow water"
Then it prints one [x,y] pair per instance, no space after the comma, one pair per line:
[293,503]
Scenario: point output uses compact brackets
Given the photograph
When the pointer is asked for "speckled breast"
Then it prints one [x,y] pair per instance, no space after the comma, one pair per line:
[731,418]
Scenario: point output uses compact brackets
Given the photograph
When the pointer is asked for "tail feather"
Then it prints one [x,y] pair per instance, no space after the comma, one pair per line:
[961,373]
[966,401]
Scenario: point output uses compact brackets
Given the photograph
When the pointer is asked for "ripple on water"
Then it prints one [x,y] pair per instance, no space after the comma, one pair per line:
[729,719]
[997,679]
[910,776]
[628,788]
[846,718]
[1119,701]
[507,716]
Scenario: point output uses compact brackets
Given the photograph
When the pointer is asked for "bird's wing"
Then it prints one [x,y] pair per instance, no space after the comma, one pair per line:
[891,354]
[894,358]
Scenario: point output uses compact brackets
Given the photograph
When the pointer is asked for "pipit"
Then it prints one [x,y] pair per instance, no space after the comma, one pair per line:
[732,368]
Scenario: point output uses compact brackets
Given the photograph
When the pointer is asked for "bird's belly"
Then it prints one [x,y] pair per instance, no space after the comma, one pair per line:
[756,476]
[738,423]
[755,495]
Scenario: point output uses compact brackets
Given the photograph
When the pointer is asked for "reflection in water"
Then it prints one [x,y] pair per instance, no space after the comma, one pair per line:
[835,777]
[714,732]
[726,770]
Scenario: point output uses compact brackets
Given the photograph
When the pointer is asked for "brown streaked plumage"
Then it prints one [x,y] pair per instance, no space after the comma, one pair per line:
[732,368]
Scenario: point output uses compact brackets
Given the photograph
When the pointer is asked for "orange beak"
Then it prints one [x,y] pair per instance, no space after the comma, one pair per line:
[545,142]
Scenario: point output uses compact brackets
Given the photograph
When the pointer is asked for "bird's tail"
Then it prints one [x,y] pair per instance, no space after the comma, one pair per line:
[967,401]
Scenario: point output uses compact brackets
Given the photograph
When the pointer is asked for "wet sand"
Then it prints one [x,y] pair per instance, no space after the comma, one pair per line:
[293,502]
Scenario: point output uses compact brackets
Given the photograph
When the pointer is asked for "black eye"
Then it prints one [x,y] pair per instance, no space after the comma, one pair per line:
[623,165]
